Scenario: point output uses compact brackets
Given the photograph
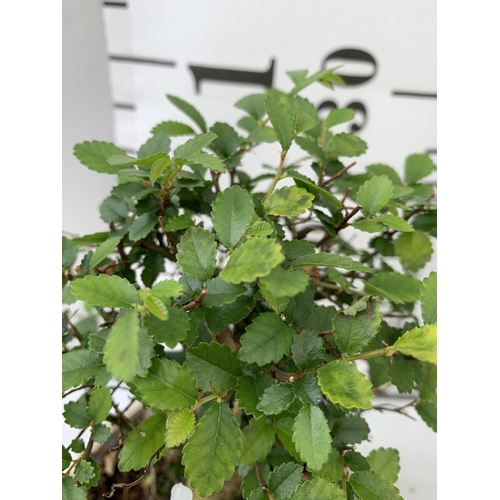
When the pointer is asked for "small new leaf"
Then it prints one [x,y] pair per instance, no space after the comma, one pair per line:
[421,343]
[374,195]
[189,110]
[288,201]
[180,425]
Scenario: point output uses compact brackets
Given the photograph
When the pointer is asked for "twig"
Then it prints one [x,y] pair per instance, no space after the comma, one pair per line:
[193,304]
[74,329]
[262,481]
[346,219]
[339,174]
[127,486]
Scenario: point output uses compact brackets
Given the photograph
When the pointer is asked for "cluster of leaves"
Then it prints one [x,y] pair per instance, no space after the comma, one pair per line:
[272,307]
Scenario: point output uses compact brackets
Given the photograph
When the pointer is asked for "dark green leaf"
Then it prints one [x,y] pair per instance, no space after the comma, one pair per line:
[194,146]
[380,169]
[79,366]
[307,389]
[197,253]
[66,458]
[350,429]
[396,223]
[333,469]
[171,331]
[371,486]
[219,318]
[266,340]
[307,350]
[69,252]
[159,143]
[138,449]
[280,120]
[99,404]
[414,250]
[250,390]
[263,134]
[306,183]
[328,259]
[103,250]
[227,142]
[232,213]
[353,329]
[311,436]
[87,473]
[428,298]
[428,412]
[172,128]
[142,226]
[215,366]
[347,145]
[258,439]
[254,258]
[167,386]
[113,209]
[276,399]
[220,292]
[94,155]
[213,450]
[401,374]
[105,291]
[178,223]
[338,116]
[417,166]
[283,283]
[121,352]
[374,195]
[355,461]
[284,480]
[385,462]
[397,288]
[70,491]
[100,433]
[76,415]
[253,105]
[189,110]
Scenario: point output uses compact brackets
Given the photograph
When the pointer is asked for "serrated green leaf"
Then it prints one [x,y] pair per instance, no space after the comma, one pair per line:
[105,291]
[374,194]
[354,332]
[197,253]
[99,404]
[417,166]
[79,366]
[381,169]
[310,147]
[280,120]
[103,250]
[77,445]
[213,450]
[215,367]
[250,390]
[428,298]
[398,288]
[70,491]
[266,340]
[76,415]
[121,352]
[250,481]
[253,105]
[188,110]
[414,250]
[84,472]
[180,425]
[172,128]
[227,142]
[371,486]
[142,226]
[304,182]
[167,386]
[208,161]
[94,155]
[347,145]
[69,252]
[172,330]
[425,222]
[194,146]
[100,433]
[178,223]
[154,304]
[138,449]
[307,350]
[146,352]
[344,384]
[368,226]
[328,259]
[262,134]
[311,436]
[260,228]
[333,469]
[278,304]
[288,201]
[254,258]
[159,143]
[284,480]
[220,292]
[113,209]
[219,318]
[319,489]
[307,389]
[355,461]
[276,399]
[428,412]
[258,439]
[350,429]
[232,214]
[338,116]
[283,283]
[421,343]
[249,124]
[401,374]
[385,462]
[66,458]
[396,222]
[166,289]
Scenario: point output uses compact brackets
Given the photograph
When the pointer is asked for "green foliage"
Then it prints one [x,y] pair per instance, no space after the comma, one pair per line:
[233,280]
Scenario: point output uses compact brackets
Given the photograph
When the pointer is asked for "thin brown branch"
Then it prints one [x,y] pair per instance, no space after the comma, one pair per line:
[348,217]
[193,304]
[262,481]
[339,174]
[127,486]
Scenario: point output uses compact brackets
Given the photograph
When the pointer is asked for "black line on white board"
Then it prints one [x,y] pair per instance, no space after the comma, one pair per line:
[122,105]
[404,93]
[140,60]
[122,5]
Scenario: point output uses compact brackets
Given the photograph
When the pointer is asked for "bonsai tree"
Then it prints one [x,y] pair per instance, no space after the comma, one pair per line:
[234,311]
